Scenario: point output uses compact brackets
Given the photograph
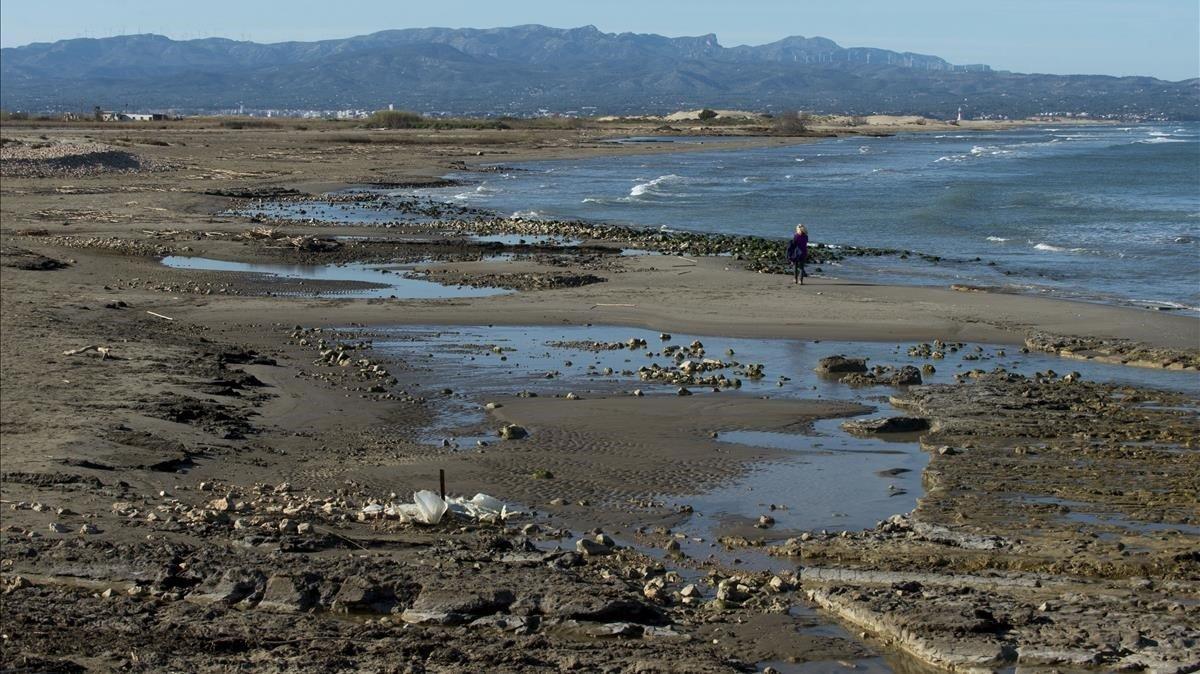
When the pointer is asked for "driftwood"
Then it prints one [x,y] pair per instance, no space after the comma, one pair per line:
[104,351]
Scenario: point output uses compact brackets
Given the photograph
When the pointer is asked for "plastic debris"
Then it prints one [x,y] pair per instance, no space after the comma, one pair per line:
[429,508]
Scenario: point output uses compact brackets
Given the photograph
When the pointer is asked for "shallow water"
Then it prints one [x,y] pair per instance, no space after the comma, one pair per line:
[830,480]
[1104,213]
[394,281]
[834,481]
[1087,513]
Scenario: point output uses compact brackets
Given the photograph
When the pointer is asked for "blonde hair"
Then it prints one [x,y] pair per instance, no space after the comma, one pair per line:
[801,229]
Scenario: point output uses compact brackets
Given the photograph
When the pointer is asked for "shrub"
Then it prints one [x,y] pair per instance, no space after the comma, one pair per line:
[707,114]
[396,119]
[791,123]
[249,123]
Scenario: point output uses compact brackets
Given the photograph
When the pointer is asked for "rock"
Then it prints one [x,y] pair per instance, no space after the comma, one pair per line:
[591,548]
[362,594]
[513,432]
[765,521]
[588,606]
[290,594]
[58,528]
[683,391]
[89,529]
[232,586]
[886,425]
[455,607]
[572,396]
[839,363]
[605,539]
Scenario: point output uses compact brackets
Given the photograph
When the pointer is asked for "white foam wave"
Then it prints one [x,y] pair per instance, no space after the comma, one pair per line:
[527,215]
[653,185]
[997,239]
[989,151]
[1167,304]
[1161,139]
[1051,248]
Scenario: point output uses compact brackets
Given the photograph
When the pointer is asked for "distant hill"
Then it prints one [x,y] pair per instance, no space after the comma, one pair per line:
[525,68]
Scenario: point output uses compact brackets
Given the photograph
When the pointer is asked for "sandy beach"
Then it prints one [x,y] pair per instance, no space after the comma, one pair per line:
[190,456]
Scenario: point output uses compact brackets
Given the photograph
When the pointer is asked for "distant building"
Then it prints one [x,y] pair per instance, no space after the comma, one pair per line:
[109,116]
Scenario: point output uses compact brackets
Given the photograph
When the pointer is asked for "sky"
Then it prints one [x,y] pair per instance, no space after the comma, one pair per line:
[1112,37]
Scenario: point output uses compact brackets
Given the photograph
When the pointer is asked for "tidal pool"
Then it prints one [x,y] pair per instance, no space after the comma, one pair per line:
[388,281]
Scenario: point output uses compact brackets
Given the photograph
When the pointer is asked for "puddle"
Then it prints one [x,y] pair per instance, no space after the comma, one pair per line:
[833,481]
[389,281]
[525,239]
[1085,513]
[528,353]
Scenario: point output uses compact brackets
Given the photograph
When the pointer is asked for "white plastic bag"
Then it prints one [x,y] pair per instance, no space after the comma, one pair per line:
[430,507]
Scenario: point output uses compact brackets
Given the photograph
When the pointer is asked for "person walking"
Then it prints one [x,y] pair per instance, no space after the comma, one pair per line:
[797,253]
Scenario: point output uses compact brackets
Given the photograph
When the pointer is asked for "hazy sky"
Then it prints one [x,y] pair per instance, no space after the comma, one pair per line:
[1116,37]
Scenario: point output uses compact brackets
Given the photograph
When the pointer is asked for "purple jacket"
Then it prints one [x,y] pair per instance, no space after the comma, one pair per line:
[797,250]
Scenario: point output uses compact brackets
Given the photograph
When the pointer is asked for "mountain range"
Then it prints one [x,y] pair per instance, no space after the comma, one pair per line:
[522,69]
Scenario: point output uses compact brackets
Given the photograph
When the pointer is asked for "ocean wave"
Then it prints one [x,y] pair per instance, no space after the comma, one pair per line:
[1167,304]
[1051,248]
[649,186]
[997,239]
[1161,139]
[527,215]
[989,151]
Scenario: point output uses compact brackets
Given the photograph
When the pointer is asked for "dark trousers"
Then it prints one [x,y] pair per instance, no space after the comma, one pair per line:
[798,269]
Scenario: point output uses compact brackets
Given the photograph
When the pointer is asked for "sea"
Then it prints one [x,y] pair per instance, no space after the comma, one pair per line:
[1100,213]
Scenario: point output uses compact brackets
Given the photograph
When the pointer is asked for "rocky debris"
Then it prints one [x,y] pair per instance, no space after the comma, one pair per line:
[304,242]
[839,364]
[963,628]
[884,375]
[514,280]
[228,422]
[110,243]
[1115,350]
[269,192]
[886,425]
[70,160]
[20,258]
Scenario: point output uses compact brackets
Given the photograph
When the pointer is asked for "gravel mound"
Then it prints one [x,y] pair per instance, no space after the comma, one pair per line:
[60,160]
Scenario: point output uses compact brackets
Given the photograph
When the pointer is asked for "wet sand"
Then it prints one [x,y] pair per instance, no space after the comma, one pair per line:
[147,480]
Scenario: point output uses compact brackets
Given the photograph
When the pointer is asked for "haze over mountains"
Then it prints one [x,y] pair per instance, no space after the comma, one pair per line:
[522,69]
